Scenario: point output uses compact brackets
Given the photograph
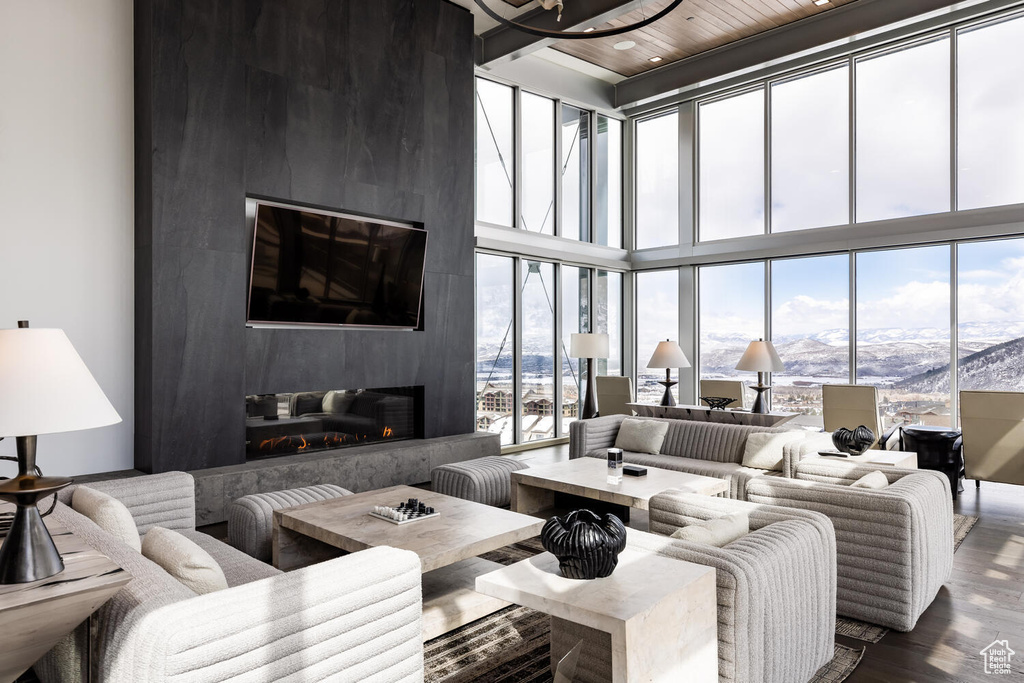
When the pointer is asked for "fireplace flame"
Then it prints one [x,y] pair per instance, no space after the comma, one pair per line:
[297,443]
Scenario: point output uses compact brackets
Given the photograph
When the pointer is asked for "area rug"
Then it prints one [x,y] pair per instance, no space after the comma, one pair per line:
[962,525]
[512,646]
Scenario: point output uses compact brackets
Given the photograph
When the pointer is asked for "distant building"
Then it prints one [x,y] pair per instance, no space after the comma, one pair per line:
[501,401]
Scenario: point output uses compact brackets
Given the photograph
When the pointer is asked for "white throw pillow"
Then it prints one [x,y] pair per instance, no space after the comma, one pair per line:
[871,480]
[717,532]
[108,513]
[338,401]
[641,436]
[764,449]
[184,560]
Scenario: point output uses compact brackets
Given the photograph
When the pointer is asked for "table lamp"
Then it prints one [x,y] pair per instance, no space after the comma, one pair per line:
[590,346]
[45,388]
[668,355]
[760,357]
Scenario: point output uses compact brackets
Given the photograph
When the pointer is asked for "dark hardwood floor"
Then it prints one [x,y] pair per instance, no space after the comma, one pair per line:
[982,602]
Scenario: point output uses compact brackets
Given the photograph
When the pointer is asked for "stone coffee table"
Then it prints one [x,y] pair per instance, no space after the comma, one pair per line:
[534,489]
[655,619]
[448,545]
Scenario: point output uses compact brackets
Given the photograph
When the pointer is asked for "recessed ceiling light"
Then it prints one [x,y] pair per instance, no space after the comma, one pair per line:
[655,59]
[589,29]
[625,45]
[819,3]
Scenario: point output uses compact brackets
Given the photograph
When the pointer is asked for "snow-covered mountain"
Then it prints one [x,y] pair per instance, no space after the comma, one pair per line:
[999,367]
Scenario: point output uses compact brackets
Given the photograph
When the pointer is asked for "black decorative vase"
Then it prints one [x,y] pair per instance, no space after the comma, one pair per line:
[853,441]
[587,546]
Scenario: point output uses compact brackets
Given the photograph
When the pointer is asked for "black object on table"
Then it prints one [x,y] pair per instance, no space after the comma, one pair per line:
[586,544]
[937,448]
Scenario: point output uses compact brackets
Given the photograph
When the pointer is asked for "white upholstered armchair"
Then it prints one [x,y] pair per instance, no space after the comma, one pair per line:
[895,545]
[355,618]
[776,585]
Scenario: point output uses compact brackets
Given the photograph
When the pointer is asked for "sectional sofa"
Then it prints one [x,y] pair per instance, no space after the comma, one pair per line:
[705,448]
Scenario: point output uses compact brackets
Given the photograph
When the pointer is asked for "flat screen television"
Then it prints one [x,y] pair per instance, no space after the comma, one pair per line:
[313,267]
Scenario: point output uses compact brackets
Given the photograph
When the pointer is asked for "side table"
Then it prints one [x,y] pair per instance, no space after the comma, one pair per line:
[654,619]
[937,448]
[34,616]
[904,459]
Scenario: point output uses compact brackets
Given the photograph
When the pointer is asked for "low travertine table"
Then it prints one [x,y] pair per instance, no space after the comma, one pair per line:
[533,489]
[904,459]
[448,545]
[660,614]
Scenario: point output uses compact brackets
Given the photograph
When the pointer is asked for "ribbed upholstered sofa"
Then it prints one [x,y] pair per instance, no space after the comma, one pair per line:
[895,545]
[776,588]
[706,448]
[355,618]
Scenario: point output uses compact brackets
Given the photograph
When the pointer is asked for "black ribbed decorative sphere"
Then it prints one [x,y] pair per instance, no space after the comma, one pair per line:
[853,441]
[587,546]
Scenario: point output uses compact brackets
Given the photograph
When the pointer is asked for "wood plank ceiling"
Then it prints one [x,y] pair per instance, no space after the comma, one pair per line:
[695,26]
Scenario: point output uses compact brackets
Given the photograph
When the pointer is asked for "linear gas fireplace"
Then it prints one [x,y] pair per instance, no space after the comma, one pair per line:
[284,424]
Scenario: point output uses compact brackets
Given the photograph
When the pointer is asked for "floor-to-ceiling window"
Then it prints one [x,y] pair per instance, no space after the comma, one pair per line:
[608,315]
[575,171]
[990,315]
[550,167]
[903,331]
[810,150]
[537,369]
[608,183]
[495,113]
[538,177]
[657,181]
[903,131]
[810,328]
[547,381]
[731,316]
[915,136]
[495,345]
[657,320]
[990,108]
[731,174]
[575,318]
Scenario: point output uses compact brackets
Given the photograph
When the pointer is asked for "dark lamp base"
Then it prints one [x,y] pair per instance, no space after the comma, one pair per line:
[668,399]
[28,552]
[761,402]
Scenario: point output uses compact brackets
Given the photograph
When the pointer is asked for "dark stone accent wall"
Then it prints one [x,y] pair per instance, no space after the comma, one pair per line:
[364,106]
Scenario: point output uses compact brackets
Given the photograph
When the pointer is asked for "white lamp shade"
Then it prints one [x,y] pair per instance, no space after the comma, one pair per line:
[588,345]
[45,387]
[760,356]
[668,355]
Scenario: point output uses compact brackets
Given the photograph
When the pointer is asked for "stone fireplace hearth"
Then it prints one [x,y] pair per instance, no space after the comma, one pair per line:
[306,421]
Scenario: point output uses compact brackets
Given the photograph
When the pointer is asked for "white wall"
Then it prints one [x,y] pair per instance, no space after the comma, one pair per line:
[67,202]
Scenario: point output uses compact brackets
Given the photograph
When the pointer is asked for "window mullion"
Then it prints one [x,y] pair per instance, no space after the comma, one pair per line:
[953,121]
[517,161]
[517,355]
[852,161]
[767,158]
[559,379]
[557,227]
[852,334]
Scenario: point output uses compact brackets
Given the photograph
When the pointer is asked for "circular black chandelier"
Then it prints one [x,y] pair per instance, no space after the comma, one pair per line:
[573,35]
